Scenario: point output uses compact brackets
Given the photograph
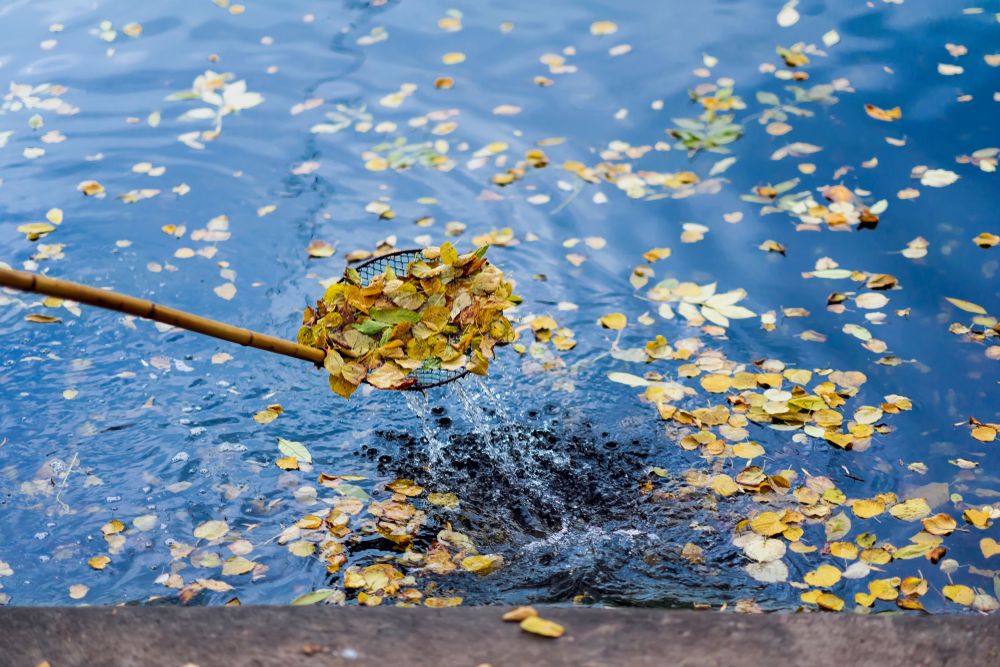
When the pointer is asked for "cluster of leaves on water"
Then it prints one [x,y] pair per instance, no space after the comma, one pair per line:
[444,313]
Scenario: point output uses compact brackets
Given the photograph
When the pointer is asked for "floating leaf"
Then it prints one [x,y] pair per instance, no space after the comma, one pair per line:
[296,449]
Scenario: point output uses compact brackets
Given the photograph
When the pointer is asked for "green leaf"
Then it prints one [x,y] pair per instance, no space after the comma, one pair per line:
[296,449]
[689,123]
[394,315]
[371,327]
[183,95]
[352,491]
[767,98]
[786,186]
[313,598]
[833,274]
[911,551]
[481,251]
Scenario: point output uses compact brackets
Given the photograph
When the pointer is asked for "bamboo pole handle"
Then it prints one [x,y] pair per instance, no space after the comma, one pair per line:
[30,282]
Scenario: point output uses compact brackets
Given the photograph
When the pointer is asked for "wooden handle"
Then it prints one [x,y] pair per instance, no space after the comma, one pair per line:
[29,282]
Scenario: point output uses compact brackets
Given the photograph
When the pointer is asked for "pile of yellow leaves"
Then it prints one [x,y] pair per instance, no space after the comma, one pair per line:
[445,313]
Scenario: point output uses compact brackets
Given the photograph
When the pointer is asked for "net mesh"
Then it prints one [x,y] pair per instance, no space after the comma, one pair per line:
[399,262]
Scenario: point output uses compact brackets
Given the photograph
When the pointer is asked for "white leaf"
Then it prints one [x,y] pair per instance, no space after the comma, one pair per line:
[245,101]
[938,178]
[714,316]
[949,70]
[736,312]
[204,113]
[879,207]
[833,274]
[634,354]
[831,38]
[772,572]
[721,166]
[296,449]
[765,550]
[858,570]
[726,299]
[630,380]
[326,128]
[688,311]
[788,17]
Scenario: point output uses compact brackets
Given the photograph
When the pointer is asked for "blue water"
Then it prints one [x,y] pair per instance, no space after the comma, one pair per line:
[551,463]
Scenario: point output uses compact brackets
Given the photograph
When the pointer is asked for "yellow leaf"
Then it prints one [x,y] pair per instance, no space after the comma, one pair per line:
[288,463]
[910,510]
[844,550]
[867,508]
[977,518]
[875,556]
[962,595]
[449,500]
[443,602]
[830,601]
[715,384]
[748,450]
[966,306]
[614,321]
[265,416]
[989,547]
[801,548]
[482,565]
[211,530]
[864,599]
[540,626]
[811,597]
[370,600]
[656,254]
[407,487]
[824,576]
[793,534]
[767,523]
[302,549]
[518,614]
[883,589]
[939,524]
[237,565]
[909,604]
[913,586]
[881,114]
[213,585]
[603,28]
[453,58]
[724,485]
[112,527]
[99,562]
[984,434]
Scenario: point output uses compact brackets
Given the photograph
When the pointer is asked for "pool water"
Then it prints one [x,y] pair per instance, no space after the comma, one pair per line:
[230,160]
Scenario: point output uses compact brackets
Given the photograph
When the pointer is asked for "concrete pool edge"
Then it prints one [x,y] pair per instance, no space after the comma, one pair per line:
[468,637]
